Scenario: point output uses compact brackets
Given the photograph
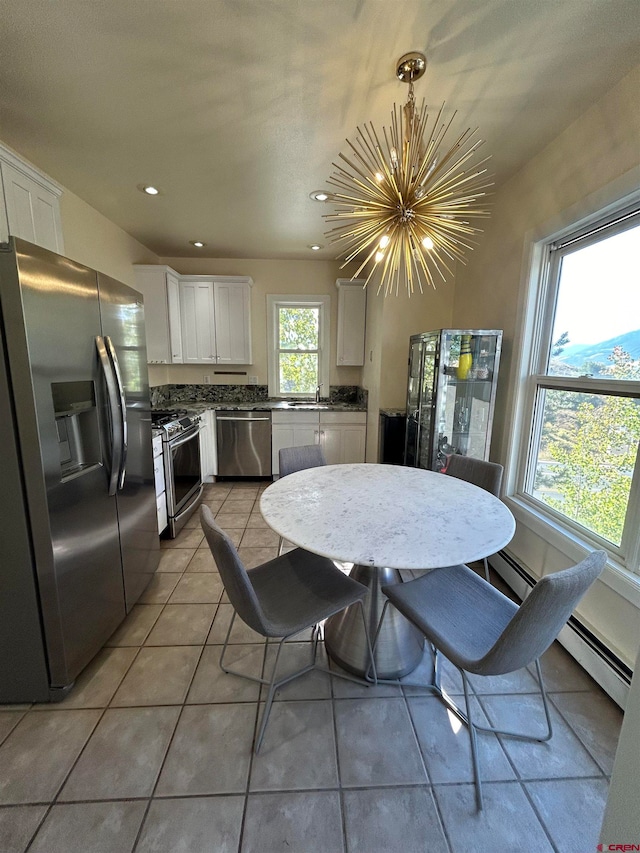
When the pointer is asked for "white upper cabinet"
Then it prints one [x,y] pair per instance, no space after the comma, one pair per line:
[232,309]
[352,308]
[216,319]
[29,204]
[160,287]
[195,319]
[198,324]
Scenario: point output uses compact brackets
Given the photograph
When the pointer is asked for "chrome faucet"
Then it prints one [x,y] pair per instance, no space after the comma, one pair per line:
[318,387]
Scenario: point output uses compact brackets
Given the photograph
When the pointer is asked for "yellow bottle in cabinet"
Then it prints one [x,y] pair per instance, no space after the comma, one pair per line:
[466,359]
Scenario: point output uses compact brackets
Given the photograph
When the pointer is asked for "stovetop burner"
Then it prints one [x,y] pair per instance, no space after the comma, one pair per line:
[165,416]
[174,422]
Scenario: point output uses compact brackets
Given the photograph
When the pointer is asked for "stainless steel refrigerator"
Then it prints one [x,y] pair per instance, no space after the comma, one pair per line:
[78,534]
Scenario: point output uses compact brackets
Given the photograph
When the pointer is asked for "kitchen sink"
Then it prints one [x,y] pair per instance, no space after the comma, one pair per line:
[308,405]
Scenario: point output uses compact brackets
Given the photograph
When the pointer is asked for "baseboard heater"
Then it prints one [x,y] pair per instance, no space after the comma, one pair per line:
[605,667]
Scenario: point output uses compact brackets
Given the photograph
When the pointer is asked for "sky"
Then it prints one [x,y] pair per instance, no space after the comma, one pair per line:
[599,295]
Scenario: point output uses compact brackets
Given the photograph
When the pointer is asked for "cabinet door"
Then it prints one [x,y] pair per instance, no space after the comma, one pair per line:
[354,440]
[198,330]
[291,435]
[173,320]
[343,442]
[150,282]
[33,212]
[232,322]
[352,306]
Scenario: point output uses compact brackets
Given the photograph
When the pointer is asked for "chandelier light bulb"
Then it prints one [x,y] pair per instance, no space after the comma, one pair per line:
[415,186]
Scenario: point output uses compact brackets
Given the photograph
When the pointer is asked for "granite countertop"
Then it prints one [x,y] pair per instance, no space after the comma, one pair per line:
[263,406]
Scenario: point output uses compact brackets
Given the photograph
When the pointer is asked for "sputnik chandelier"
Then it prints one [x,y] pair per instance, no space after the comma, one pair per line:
[405,199]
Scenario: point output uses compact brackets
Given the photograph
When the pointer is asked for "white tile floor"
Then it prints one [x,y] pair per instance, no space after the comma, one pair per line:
[152,749]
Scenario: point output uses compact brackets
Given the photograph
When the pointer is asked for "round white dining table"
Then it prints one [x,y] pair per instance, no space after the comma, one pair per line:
[383,518]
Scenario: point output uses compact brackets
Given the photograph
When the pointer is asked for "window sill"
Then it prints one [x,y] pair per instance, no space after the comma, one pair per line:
[616,576]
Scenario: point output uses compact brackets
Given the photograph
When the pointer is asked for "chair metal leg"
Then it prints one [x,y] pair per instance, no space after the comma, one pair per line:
[273,685]
[226,642]
[473,742]
[486,570]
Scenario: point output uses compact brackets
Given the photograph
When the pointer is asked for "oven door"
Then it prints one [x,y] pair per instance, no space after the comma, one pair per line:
[182,471]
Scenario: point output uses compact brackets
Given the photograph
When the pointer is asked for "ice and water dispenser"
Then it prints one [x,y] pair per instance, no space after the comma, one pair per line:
[77,426]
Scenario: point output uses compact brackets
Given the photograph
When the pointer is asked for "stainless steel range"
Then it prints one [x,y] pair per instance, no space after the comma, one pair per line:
[182,473]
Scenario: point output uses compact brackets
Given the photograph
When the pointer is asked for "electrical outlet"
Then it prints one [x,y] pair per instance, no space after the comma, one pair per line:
[252,380]
[206,379]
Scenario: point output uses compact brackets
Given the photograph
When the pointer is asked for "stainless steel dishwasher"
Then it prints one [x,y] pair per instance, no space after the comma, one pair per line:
[244,443]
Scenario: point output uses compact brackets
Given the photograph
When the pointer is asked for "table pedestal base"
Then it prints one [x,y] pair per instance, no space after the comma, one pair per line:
[400,645]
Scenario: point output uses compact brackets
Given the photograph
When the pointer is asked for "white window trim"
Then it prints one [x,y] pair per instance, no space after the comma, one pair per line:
[276,301]
[534,285]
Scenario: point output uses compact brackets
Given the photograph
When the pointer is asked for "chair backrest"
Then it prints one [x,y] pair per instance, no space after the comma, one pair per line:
[487,475]
[298,458]
[541,617]
[233,573]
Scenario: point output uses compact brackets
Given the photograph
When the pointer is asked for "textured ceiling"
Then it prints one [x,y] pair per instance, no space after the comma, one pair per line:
[237,108]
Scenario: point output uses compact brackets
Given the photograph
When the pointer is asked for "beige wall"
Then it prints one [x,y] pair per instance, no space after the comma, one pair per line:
[95,241]
[593,163]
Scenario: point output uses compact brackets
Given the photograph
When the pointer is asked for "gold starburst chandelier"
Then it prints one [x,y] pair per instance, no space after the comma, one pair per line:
[405,199]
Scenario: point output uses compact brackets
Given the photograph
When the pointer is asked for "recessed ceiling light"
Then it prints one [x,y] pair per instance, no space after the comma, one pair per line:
[315,247]
[148,189]
[319,195]
[197,243]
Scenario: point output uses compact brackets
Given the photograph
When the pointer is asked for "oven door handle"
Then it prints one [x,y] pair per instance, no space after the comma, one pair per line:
[178,442]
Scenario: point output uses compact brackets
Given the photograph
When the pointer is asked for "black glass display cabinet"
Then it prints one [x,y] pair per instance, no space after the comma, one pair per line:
[451,392]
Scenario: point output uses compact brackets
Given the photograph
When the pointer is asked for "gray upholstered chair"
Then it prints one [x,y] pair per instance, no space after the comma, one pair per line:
[486,475]
[281,598]
[298,458]
[483,632]
[291,459]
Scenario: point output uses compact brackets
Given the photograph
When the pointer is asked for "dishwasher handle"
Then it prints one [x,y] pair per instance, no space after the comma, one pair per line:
[242,420]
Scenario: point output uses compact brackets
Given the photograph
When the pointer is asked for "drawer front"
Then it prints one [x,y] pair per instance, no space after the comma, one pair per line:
[158,474]
[294,418]
[157,445]
[350,418]
[161,510]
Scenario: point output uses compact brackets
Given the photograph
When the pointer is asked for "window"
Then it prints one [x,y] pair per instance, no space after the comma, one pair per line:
[298,345]
[582,465]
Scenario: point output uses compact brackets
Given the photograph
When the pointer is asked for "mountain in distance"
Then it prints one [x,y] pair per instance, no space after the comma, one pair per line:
[577,354]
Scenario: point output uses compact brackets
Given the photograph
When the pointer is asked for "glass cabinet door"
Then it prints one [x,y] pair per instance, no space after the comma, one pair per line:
[413,403]
[466,394]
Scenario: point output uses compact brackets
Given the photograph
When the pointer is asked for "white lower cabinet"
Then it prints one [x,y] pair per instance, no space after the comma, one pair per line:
[158,473]
[342,435]
[292,429]
[208,449]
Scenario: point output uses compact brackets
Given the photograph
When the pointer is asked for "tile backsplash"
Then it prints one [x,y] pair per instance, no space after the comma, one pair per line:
[161,394]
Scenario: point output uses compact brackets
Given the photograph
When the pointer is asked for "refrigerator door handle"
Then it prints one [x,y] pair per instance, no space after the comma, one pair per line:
[116,432]
[123,409]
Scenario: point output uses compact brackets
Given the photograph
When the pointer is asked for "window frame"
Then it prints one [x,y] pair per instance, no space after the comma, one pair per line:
[544,281]
[292,300]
